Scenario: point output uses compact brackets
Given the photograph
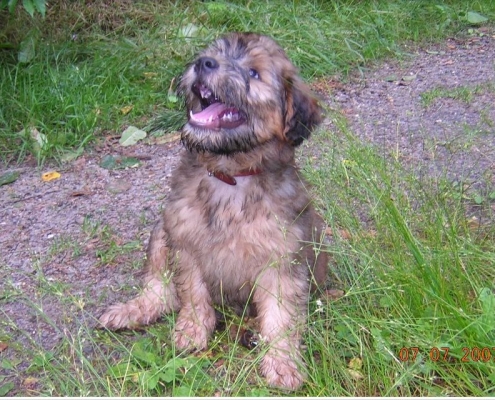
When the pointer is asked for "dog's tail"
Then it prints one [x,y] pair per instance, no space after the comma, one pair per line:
[159,295]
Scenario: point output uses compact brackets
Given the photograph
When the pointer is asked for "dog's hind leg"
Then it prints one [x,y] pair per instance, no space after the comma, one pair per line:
[159,295]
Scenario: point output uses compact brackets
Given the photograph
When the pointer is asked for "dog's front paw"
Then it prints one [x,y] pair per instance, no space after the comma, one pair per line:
[190,335]
[281,371]
[120,315]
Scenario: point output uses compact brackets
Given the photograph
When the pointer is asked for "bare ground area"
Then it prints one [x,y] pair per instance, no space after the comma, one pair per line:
[82,237]
[434,113]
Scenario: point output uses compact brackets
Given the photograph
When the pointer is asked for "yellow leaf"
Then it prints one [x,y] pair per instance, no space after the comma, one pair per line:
[126,110]
[50,176]
[30,382]
[356,363]
[356,375]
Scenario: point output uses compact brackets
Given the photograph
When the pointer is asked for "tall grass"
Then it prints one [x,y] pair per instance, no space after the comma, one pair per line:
[84,63]
[416,318]
[418,279]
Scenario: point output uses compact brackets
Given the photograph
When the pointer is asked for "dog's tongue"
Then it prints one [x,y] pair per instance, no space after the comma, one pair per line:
[216,116]
[209,116]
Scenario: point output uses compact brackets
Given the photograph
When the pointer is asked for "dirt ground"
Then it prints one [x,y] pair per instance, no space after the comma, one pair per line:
[73,245]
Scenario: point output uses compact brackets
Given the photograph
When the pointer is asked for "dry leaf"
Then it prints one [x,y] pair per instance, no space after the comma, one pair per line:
[355,363]
[126,110]
[356,375]
[166,139]
[343,233]
[30,382]
[473,223]
[3,346]
[334,294]
[50,176]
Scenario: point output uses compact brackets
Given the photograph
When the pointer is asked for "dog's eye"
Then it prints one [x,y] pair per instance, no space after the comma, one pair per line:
[254,74]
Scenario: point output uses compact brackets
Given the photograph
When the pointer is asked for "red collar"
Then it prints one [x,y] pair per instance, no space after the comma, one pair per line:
[229,179]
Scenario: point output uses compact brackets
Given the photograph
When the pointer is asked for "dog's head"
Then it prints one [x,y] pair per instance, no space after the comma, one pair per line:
[243,91]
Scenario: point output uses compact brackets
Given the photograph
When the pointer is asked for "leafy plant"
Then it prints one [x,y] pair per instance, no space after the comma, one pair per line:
[31,6]
[157,373]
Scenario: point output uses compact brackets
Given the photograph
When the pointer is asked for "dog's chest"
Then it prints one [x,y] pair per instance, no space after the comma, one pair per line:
[227,226]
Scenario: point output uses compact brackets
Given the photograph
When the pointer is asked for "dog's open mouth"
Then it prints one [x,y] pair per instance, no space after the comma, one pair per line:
[214,114]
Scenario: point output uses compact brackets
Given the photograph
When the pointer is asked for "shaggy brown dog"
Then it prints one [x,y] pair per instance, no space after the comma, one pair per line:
[238,227]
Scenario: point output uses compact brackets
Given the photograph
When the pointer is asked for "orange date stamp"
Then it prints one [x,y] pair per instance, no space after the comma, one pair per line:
[439,354]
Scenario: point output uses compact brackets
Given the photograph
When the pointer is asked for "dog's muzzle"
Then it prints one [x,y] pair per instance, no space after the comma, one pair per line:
[214,114]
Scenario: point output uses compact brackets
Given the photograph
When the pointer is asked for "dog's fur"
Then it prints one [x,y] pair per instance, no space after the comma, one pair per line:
[237,244]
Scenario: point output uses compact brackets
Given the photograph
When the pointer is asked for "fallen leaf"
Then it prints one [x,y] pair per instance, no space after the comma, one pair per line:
[4,389]
[30,382]
[27,48]
[344,234]
[131,136]
[356,375]
[3,346]
[9,177]
[189,31]
[50,176]
[126,110]
[391,78]
[474,223]
[119,162]
[355,363]
[39,140]
[409,78]
[166,139]
[334,294]
[475,18]
[71,154]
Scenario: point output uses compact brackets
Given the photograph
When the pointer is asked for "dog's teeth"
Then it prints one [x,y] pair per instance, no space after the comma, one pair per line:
[230,117]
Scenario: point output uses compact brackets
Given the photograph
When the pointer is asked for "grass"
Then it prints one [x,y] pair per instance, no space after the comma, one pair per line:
[85,72]
[461,93]
[416,319]
[417,276]
[416,273]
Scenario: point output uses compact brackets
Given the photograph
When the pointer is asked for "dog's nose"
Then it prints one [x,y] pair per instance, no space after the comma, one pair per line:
[206,64]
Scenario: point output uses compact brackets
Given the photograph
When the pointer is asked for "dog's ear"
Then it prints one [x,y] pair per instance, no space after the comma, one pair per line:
[302,111]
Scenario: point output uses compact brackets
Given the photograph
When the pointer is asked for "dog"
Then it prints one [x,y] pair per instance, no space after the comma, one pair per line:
[238,227]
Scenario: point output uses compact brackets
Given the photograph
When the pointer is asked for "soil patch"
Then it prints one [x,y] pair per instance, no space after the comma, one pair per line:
[434,113]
